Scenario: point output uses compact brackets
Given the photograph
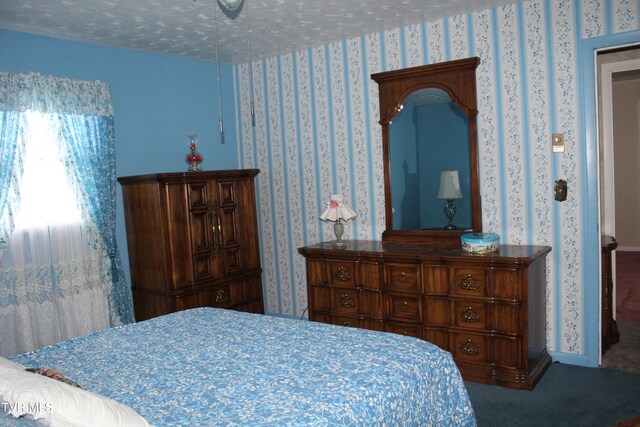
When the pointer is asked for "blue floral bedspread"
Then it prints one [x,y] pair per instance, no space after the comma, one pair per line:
[206,367]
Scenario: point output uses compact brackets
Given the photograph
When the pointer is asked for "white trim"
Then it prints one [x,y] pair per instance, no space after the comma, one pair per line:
[608,225]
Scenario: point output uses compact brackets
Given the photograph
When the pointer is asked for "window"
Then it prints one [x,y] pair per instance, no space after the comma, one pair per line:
[46,197]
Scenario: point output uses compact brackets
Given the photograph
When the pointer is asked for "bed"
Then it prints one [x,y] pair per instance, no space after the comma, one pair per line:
[207,366]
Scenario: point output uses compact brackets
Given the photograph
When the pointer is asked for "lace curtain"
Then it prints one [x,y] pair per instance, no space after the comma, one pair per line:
[60,280]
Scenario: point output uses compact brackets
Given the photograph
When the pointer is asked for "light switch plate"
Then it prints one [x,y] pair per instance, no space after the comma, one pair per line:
[557,142]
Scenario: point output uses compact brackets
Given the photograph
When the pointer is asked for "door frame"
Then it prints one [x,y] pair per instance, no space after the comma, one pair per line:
[591,178]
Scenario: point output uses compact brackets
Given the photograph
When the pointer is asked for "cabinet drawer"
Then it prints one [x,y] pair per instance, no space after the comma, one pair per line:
[352,301]
[403,277]
[409,329]
[356,322]
[470,282]
[342,273]
[470,315]
[219,296]
[402,307]
[346,321]
[496,317]
[345,301]
[494,349]
[469,347]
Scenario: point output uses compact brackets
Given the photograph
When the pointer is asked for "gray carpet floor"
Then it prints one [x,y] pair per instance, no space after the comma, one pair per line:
[625,355]
[567,395]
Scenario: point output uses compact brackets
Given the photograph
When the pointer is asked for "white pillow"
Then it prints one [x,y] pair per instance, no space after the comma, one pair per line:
[6,363]
[60,404]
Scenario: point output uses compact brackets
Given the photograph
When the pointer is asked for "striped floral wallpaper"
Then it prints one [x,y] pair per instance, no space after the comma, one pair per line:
[316,133]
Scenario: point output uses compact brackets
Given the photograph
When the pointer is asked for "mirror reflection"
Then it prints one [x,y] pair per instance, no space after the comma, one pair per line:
[430,165]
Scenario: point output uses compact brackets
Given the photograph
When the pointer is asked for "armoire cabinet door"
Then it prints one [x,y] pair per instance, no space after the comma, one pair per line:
[217,244]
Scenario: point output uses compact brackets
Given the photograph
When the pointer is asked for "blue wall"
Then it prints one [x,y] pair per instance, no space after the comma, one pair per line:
[158,101]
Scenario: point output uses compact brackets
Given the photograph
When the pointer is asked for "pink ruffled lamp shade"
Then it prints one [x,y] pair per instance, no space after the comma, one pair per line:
[337,211]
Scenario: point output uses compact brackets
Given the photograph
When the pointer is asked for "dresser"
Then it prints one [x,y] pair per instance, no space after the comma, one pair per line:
[193,241]
[487,310]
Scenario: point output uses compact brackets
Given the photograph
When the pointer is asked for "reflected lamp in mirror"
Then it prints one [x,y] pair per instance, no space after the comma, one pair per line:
[449,190]
[338,211]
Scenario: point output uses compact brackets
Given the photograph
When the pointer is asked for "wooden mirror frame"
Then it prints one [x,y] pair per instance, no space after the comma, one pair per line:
[458,79]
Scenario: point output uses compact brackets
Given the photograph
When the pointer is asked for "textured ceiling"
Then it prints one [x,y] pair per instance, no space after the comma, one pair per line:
[188,27]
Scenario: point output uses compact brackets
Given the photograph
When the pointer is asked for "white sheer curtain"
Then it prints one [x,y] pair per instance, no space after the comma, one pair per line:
[60,288]
[53,271]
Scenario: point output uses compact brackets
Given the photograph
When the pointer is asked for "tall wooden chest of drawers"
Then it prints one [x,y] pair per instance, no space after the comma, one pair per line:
[487,310]
[193,241]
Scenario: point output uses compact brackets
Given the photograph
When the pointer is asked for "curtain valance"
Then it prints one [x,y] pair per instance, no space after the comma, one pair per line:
[49,94]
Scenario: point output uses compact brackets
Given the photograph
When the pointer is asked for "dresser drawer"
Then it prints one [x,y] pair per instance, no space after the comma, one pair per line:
[344,301]
[346,321]
[469,347]
[494,317]
[409,329]
[497,350]
[342,273]
[469,314]
[403,277]
[353,301]
[218,296]
[404,308]
[470,282]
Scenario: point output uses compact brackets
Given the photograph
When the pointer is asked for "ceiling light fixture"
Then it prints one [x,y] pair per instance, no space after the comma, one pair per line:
[231,8]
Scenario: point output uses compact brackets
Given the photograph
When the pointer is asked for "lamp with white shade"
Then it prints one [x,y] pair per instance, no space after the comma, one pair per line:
[449,190]
[338,212]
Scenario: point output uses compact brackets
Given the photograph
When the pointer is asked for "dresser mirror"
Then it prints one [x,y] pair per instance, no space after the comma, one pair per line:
[429,137]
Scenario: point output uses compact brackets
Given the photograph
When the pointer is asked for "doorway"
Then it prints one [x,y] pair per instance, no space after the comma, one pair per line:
[618,106]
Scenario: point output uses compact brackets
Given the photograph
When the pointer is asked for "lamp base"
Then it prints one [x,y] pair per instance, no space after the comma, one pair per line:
[450,211]
[338,229]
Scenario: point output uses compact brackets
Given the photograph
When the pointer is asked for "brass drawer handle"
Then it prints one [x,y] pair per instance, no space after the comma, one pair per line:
[222,296]
[343,274]
[469,283]
[402,277]
[347,324]
[469,348]
[405,303]
[213,208]
[469,315]
[346,301]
